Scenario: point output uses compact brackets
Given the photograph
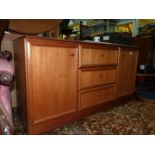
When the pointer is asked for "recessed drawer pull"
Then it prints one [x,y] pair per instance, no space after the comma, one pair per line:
[102,55]
[100,95]
[101,75]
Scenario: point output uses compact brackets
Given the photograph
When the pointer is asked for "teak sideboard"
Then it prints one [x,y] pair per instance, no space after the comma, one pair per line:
[59,81]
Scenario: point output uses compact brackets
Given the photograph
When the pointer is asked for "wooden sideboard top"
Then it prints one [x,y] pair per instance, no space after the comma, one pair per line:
[86,42]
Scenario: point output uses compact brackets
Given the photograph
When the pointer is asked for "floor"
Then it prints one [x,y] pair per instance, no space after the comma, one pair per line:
[136,117]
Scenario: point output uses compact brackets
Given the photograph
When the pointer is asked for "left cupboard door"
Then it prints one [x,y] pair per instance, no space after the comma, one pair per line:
[52,81]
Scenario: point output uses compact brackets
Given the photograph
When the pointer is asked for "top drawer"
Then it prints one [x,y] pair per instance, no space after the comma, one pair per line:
[89,57]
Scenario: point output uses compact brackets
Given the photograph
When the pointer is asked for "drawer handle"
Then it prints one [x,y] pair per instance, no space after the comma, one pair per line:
[101,76]
[102,55]
[100,95]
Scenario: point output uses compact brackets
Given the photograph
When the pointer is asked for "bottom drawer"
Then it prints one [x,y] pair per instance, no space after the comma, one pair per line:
[96,96]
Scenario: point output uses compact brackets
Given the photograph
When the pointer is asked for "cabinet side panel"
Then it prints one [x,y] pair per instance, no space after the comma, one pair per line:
[20,77]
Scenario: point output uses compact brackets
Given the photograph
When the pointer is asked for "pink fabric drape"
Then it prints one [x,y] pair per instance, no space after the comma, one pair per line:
[6,78]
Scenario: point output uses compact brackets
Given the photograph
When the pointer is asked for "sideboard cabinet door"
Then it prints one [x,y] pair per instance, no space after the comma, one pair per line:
[127,66]
[52,81]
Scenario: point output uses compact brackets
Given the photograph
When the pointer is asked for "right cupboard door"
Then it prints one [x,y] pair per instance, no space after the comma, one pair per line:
[126,71]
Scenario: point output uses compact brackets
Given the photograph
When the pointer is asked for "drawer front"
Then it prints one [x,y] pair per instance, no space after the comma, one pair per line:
[97,96]
[97,57]
[93,78]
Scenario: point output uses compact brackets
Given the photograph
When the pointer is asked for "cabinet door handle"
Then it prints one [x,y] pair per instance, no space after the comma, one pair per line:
[123,55]
[72,54]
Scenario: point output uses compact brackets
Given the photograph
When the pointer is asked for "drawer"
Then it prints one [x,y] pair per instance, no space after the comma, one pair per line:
[92,78]
[96,96]
[97,57]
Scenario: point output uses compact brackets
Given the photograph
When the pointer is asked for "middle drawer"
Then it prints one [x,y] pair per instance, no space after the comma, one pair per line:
[96,77]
